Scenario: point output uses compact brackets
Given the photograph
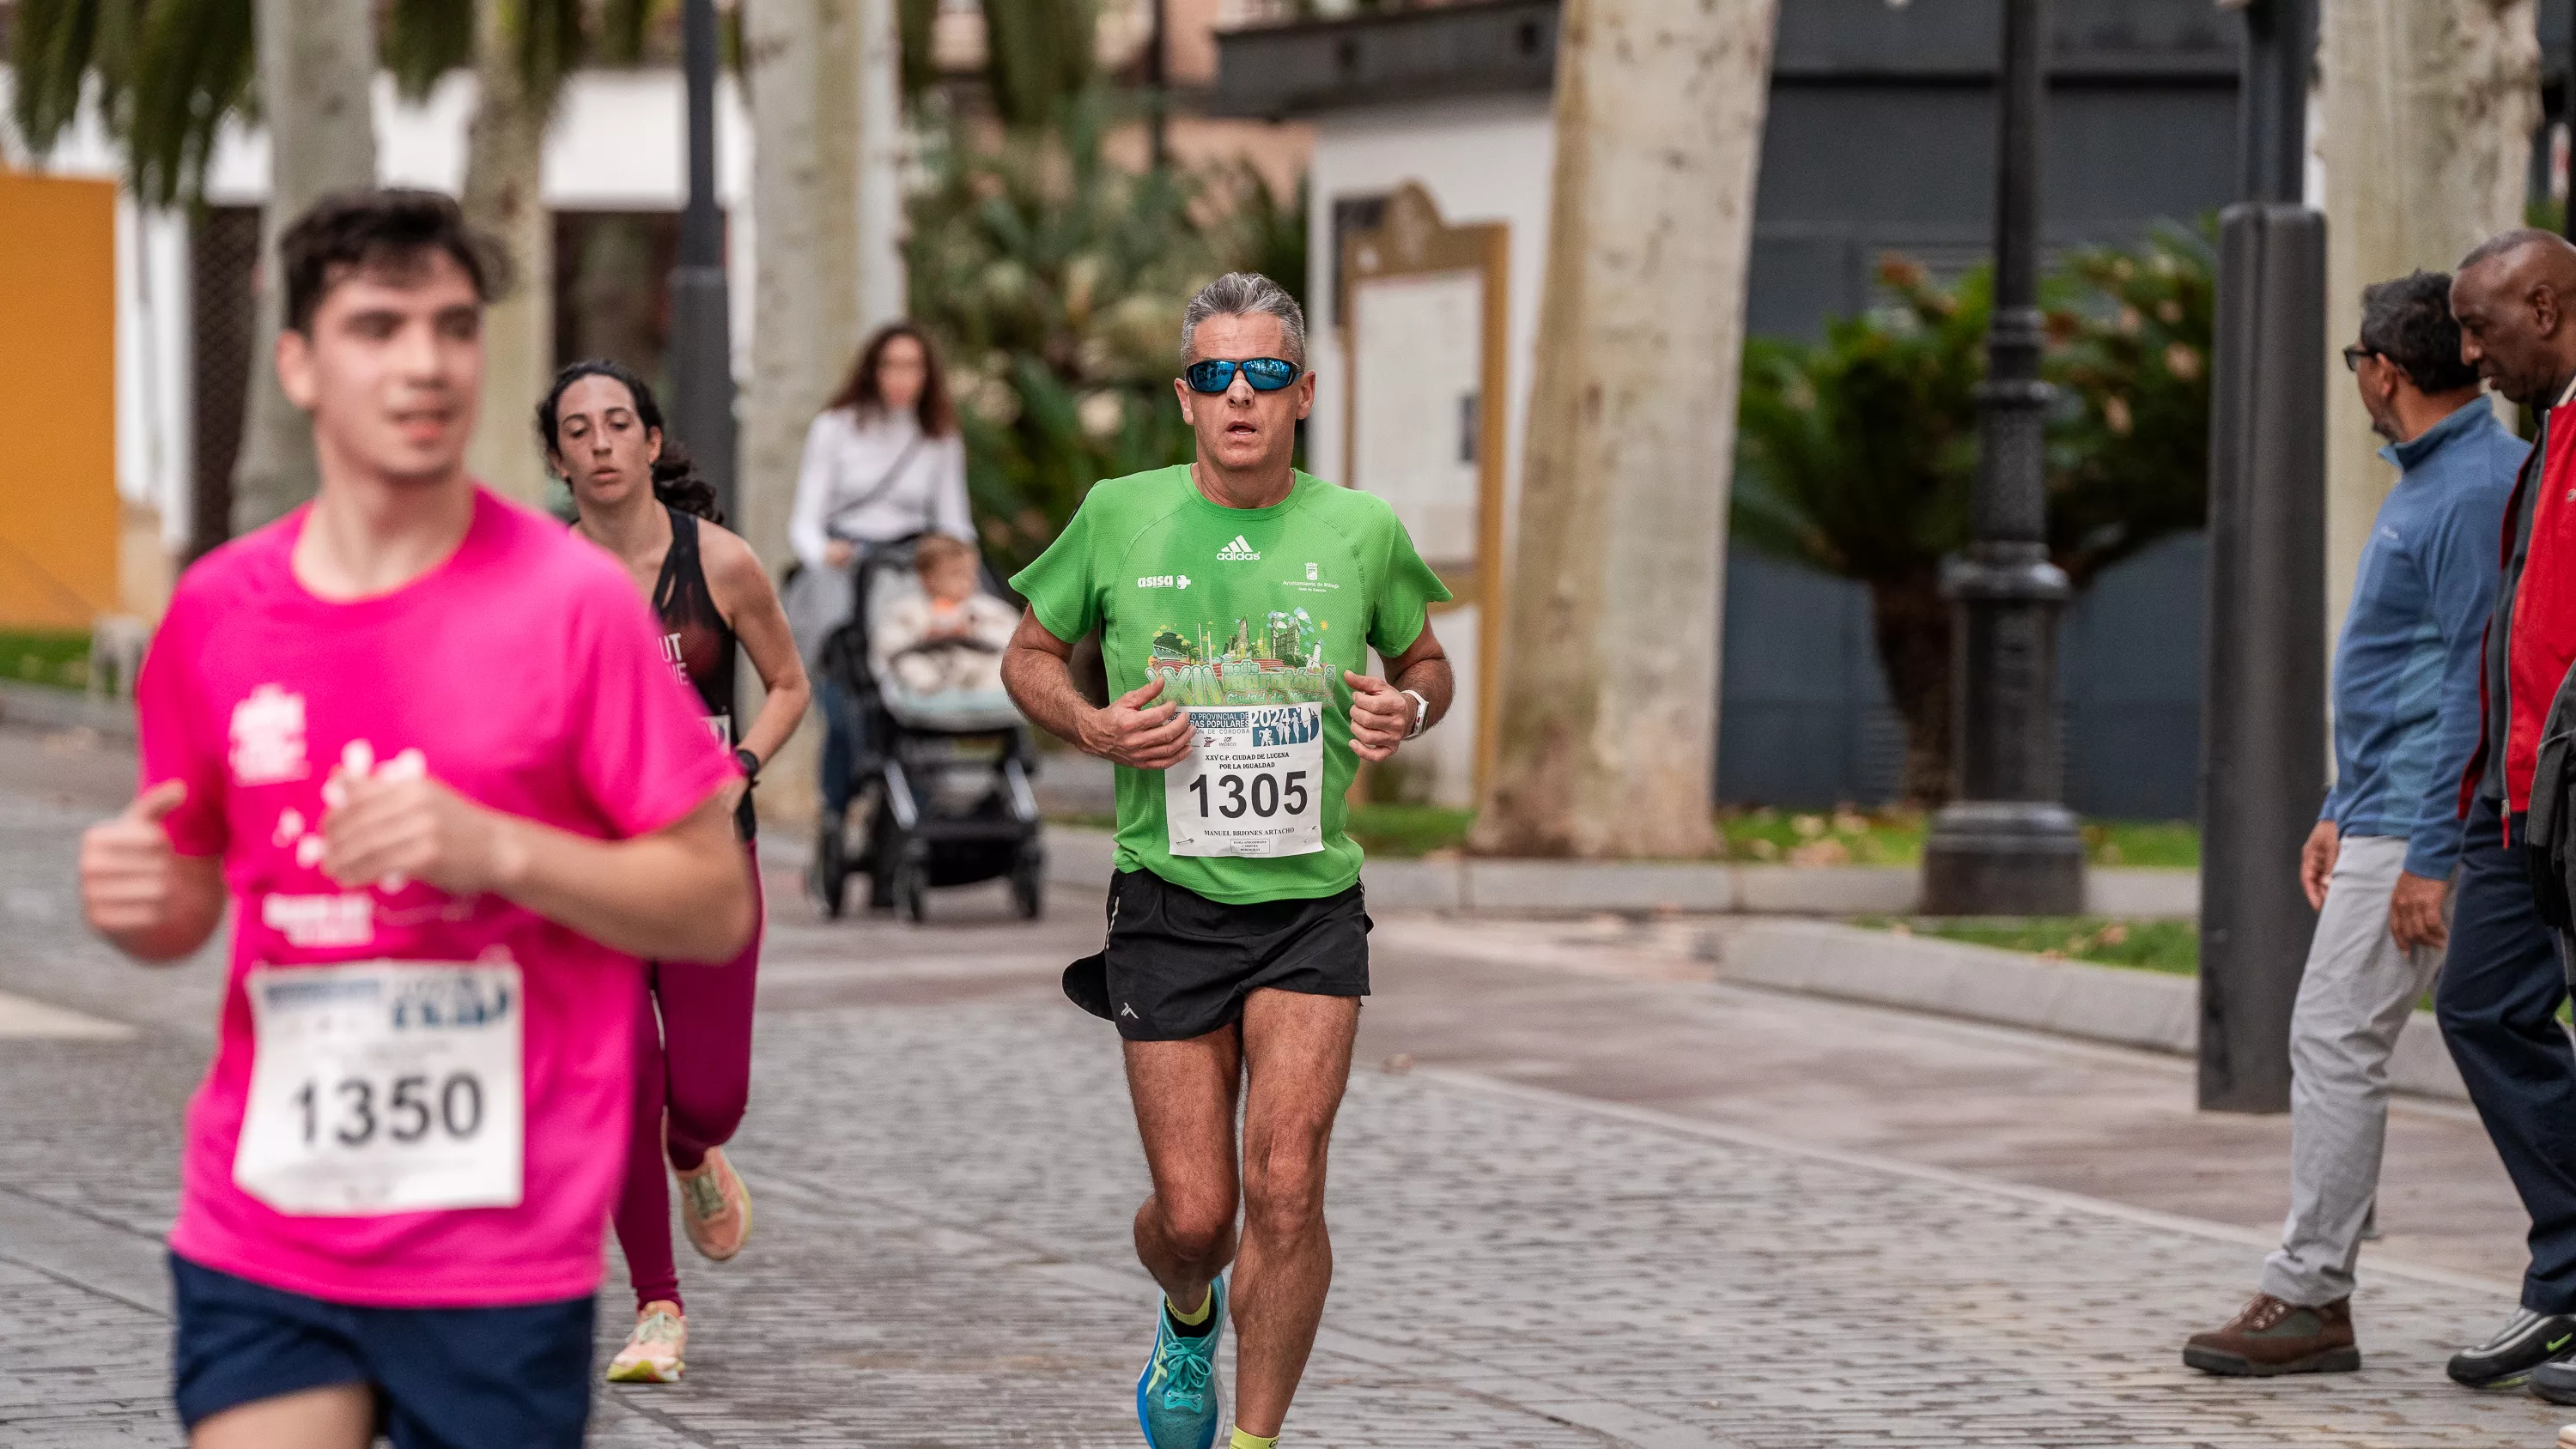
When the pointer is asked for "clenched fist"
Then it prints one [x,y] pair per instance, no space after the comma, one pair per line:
[1136,732]
[128,872]
[394,827]
[1381,716]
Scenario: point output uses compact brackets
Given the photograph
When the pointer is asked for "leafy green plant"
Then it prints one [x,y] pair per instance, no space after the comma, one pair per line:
[1055,278]
[1858,455]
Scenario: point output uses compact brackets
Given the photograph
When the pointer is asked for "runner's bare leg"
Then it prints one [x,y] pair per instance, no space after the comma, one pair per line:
[1185,1094]
[341,1416]
[1297,1052]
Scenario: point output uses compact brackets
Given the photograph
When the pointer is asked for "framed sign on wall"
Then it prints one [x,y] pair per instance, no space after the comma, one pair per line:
[1423,324]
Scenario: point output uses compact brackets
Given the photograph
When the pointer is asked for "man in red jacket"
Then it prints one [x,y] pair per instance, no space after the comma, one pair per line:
[2502,985]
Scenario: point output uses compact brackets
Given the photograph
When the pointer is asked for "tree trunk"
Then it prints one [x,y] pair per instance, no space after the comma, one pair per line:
[1910,622]
[504,151]
[1609,676]
[802,58]
[317,61]
[2428,112]
[881,147]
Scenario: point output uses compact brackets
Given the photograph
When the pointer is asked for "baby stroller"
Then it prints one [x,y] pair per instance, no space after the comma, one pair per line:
[940,782]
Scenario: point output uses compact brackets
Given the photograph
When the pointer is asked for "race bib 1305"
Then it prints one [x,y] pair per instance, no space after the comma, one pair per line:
[385,1087]
[1252,784]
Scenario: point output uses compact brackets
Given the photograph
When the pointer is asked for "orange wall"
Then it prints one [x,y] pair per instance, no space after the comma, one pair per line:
[58,529]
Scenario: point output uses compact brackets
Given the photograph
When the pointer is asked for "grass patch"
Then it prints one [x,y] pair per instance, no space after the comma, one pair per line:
[2169,946]
[1895,837]
[1409,830]
[56,657]
[2169,844]
[1762,835]
[1837,837]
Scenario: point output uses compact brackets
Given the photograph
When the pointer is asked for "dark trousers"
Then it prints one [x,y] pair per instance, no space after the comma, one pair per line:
[2498,1001]
[844,740]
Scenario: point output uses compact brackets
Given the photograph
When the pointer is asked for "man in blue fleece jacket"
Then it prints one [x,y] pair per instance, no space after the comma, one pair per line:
[2406,719]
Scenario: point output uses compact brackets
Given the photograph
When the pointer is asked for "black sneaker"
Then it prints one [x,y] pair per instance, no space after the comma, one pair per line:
[2555,1381]
[2506,1360]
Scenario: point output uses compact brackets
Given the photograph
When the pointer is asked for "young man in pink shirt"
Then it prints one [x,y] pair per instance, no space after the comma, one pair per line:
[424,740]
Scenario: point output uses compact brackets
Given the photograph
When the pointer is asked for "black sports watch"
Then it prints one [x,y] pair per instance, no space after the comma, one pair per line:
[750,766]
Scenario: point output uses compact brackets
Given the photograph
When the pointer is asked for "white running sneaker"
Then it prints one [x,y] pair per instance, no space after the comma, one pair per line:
[652,1354]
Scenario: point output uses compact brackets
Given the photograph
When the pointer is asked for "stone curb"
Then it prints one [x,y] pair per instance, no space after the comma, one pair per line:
[2146,1009]
[1581,887]
[36,707]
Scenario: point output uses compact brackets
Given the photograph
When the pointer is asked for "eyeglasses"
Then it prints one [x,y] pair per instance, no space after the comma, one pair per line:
[2353,355]
[1266,374]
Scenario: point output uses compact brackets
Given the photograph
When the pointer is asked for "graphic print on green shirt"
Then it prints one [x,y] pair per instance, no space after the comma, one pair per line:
[1248,616]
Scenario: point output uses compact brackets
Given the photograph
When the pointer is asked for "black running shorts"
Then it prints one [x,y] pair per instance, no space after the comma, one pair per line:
[1178,965]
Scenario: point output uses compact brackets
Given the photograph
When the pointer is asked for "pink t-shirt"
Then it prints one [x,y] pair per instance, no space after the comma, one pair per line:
[527,672]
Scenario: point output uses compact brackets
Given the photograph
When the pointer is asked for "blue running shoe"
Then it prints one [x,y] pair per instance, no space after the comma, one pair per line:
[1176,1396]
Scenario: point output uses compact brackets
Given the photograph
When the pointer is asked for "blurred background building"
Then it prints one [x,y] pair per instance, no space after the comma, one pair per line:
[1294,129]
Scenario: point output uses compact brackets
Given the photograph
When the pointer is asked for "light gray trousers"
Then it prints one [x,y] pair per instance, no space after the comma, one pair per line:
[2356,996]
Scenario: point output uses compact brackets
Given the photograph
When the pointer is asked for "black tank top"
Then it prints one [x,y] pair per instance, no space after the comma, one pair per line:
[695,637]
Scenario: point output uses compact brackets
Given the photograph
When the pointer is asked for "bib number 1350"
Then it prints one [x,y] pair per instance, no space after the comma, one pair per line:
[1252,783]
[407,1109]
[385,1087]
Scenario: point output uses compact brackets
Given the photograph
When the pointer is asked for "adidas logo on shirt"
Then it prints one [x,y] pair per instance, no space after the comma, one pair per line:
[1237,552]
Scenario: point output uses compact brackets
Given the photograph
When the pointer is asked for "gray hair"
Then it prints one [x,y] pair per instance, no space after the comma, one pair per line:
[1246,294]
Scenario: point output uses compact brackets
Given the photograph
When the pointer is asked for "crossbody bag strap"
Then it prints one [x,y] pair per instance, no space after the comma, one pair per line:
[878,490]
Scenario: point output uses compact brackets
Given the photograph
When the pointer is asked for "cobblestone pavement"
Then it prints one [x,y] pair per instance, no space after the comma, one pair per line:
[944,1169]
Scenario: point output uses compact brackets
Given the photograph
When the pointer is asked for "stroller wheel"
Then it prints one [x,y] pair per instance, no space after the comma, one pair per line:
[1028,882]
[830,877]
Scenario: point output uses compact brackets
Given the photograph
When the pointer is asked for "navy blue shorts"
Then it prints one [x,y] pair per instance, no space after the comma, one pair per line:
[444,1378]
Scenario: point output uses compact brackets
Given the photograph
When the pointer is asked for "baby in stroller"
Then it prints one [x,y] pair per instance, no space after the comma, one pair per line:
[947,637]
[939,774]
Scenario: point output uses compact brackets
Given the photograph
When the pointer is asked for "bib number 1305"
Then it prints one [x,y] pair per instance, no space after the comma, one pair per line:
[1251,783]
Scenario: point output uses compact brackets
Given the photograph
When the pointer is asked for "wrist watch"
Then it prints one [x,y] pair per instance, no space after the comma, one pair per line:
[1421,712]
[750,766]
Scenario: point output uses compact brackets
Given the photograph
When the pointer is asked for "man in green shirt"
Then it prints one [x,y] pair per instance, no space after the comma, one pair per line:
[1237,600]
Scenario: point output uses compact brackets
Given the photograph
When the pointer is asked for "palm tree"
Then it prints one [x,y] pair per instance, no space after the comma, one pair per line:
[800,61]
[168,73]
[2428,109]
[1608,699]
[1055,278]
[317,60]
[1857,454]
[521,52]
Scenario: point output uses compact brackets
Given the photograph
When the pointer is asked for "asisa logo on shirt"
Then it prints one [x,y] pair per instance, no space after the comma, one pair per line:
[268,737]
[1164,581]
[1237,552]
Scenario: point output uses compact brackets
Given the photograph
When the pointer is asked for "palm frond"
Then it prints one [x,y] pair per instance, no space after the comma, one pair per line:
[424,40]
[194,65]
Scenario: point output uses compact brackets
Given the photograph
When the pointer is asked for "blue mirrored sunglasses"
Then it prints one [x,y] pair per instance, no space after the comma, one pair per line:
[1266,374]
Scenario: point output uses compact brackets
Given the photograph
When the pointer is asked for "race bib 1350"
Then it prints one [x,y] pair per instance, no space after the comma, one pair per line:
[1252,784]
[385,1087]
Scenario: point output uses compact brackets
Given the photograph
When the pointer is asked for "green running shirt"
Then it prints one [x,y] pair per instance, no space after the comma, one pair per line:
[1246,613]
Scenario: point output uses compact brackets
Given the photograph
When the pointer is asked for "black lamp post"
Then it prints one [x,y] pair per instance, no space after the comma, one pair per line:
[701,322]
[2005,845]
[2263,682]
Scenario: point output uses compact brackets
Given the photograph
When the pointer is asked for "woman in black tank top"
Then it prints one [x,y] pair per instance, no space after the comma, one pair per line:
[639,500]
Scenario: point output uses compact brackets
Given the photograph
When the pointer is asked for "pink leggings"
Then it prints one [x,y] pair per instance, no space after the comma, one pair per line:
[692,1081]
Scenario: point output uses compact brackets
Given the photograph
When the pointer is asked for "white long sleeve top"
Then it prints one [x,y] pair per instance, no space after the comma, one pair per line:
[848,456]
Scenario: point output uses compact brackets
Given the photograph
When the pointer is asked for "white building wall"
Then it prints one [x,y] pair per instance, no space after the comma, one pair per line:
[1481,161]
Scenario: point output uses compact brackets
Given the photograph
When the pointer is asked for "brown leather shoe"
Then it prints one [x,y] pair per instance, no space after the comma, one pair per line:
[2268,1336]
